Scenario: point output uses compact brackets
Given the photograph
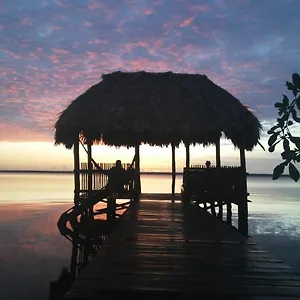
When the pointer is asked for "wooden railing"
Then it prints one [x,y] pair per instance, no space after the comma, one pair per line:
[215,188]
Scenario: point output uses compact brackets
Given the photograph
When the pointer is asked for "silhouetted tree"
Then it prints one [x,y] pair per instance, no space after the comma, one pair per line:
[282,132]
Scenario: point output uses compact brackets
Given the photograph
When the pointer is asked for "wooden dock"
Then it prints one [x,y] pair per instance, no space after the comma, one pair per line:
[160,196]
[163,250]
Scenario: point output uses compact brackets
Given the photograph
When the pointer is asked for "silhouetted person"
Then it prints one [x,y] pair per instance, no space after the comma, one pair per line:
[117,178]
[208,164]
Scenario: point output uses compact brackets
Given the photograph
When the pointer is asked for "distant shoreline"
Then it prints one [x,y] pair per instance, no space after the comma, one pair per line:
[142,173]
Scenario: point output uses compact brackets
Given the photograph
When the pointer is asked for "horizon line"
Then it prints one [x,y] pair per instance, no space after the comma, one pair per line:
[142,172]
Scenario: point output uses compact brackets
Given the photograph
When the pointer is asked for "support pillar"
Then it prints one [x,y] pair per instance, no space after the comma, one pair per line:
[218,167]
[76,172]
[243,200]
[173,169]
[187,156]
[90,175]
[90,170]
[138,169]
[218,154]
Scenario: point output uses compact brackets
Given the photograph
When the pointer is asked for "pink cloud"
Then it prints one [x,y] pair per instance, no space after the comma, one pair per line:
[17,133]
[187,21]
[95,5]
[200,8]
[60,51]
[92,55]
[96,42]
[149,11]
[87,24]
[26,22]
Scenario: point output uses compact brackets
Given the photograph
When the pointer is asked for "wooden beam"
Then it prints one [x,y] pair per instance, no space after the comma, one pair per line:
[138,169]
[173,169]
[243,203]
[76,172]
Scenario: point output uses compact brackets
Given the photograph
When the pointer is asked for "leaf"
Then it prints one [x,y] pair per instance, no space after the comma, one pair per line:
[280,122]
[296,80]
[271,148]
[285,116]
[278,170]
[286,145]
[298,102]
[285,100]
[278,105]
[295,92]
[272,139]
[294,115]
[280,111]
[270,131]
[295,140]
[290,86]
[285,155]
[294,173]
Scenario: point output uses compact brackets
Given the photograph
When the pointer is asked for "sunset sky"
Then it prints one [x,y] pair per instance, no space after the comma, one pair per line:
[53,50]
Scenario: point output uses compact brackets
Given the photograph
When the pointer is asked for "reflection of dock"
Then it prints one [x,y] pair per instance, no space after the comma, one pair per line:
[164,249]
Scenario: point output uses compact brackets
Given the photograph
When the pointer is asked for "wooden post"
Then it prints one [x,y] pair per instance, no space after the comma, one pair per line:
[187,156]
[90,170]
[111,208]
[229,213]
[138,169]
[76,172]
[218,167]
[173,169]
[218,154]
[90,174]
[243,201]
[186,197]
[74,255]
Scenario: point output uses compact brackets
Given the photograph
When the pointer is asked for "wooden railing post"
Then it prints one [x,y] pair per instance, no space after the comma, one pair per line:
[76,172]
[243,200]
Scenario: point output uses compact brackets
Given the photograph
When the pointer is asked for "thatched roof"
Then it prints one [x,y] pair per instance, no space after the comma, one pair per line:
[126,109]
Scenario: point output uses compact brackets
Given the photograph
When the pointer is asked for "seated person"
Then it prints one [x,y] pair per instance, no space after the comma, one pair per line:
[117,178]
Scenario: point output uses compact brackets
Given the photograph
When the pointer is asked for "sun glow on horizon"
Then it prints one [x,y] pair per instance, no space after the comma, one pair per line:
[47,156]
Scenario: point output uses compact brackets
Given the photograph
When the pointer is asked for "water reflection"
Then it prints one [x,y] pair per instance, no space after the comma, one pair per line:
[86,230]
[80,256]
[31,249]
[33,252]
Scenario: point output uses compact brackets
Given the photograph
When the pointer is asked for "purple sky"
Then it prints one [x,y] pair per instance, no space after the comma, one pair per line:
[52,50]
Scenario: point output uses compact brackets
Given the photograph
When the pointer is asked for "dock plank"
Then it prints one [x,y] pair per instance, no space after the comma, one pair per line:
[162,249]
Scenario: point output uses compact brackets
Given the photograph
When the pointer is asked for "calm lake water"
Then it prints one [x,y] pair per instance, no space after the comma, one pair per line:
[33,253]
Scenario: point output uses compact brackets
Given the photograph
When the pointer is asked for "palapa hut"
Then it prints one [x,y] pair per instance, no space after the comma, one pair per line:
[131,108]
